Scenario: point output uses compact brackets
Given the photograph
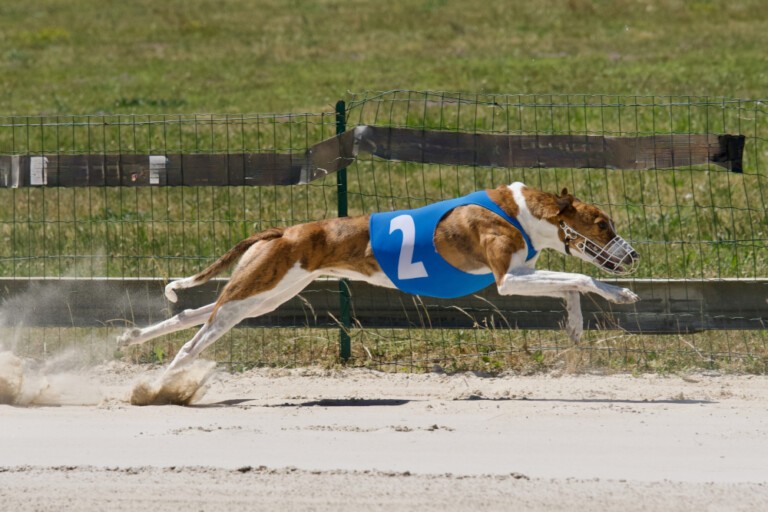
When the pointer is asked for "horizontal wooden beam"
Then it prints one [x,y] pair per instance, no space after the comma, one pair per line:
[402,144]
[667,306]
[551,151]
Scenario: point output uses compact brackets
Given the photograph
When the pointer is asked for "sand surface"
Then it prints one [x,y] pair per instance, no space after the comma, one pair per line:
[363,440]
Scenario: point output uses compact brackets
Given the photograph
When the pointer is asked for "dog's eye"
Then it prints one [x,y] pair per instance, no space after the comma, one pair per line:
[602,225]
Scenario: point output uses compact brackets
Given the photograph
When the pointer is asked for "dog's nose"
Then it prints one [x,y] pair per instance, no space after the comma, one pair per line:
[634,255]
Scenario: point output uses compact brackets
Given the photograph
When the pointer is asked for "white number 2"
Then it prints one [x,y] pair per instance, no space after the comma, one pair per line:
[406,267]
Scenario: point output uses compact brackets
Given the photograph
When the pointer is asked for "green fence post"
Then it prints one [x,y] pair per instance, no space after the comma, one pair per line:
[345,342]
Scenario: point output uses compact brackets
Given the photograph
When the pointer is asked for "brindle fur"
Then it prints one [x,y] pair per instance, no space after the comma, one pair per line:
[278,263]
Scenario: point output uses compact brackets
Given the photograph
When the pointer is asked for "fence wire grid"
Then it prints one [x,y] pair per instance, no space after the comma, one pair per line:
[698,223]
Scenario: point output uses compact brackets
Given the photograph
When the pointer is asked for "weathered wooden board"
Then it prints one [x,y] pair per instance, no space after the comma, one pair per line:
[403,144]
[667,306]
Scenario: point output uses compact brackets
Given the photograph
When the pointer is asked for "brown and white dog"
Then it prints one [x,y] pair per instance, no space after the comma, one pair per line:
[278,263]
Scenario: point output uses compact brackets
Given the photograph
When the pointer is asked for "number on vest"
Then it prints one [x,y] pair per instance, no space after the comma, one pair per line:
[406,267]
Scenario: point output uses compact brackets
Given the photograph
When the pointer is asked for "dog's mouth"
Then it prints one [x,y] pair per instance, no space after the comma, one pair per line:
[617,256]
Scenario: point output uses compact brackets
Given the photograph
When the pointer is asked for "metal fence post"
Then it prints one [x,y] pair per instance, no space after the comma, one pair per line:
[345,342]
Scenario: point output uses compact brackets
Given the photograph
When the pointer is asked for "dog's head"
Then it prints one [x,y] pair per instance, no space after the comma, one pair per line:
[588,233]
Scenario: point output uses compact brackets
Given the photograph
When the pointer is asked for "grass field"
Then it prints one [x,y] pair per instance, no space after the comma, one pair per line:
[115,71]
[234,56]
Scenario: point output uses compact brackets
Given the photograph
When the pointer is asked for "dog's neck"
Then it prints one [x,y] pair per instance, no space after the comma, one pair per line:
[543,233]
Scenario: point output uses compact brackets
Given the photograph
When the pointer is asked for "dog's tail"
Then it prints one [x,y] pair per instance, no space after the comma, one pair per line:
[224,262]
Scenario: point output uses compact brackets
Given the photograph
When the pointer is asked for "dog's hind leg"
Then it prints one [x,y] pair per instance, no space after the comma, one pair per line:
[232,312]
[185,319]
[192,317]
[227,316]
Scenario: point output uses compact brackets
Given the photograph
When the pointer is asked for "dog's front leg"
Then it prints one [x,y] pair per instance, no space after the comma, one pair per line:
[185,319]
[575,325]
[565,286]
[526,281]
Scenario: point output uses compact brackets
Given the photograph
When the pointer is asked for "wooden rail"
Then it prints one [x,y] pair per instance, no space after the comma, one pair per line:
[667,306]
[391,143]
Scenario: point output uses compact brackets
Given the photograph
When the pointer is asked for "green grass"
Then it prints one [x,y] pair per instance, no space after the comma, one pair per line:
[490,351]
[701,221]
[109,77]
[232,56]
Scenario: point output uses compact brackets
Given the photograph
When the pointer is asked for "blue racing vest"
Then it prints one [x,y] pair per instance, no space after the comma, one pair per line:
[403,244]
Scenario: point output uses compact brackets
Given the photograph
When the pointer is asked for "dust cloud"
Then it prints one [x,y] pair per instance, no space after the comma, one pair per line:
[26,382]
[183,386]
[75,376]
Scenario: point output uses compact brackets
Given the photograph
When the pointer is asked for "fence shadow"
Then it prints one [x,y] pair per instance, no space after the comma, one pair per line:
[589,400]
[348,402]
[394,402]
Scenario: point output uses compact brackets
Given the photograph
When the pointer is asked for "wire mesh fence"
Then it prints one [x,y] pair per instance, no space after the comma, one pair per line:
[692,222]
[688,222]
[697,221]
[148,232]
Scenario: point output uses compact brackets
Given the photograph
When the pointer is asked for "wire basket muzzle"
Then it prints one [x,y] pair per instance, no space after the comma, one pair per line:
[617,256]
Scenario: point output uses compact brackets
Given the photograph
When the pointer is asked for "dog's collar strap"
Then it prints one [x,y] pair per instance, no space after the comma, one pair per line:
[482,198]
[569,235]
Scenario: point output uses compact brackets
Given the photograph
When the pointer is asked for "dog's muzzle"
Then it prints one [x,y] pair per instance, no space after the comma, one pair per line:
[616,257]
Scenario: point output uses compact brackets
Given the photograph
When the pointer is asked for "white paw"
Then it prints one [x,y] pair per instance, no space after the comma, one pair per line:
[574,332]
[625,296]
[616,294]
[129,337]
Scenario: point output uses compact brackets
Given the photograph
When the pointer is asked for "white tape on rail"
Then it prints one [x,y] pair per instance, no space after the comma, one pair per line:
[38,170]
[157,166]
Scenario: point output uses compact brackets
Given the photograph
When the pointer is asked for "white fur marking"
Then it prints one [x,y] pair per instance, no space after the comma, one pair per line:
[543,234]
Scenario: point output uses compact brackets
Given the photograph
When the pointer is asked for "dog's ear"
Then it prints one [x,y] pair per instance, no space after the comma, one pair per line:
[564,201]
[547,206]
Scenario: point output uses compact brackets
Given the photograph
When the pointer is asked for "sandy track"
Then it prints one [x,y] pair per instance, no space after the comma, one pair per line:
[216,489]
[317,440]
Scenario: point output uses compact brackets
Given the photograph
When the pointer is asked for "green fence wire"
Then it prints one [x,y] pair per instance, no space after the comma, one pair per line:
[696,222]
[700,222]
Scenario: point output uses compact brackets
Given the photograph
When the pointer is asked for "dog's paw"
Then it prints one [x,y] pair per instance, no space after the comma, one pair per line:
[574,332]
[625,296]
[129,337]
[615,294]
